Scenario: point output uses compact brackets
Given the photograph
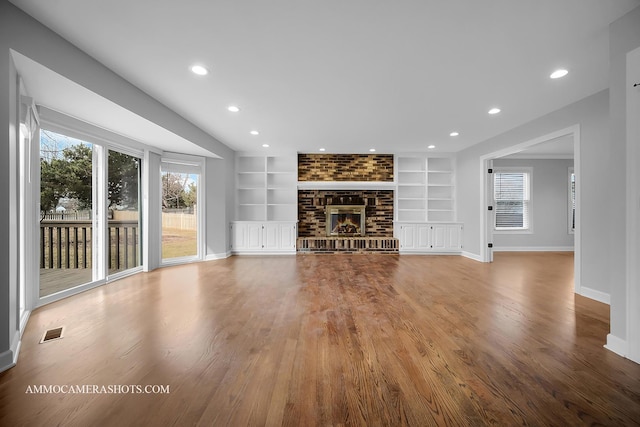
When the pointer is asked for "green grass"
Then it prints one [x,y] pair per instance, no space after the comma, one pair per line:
[178,243]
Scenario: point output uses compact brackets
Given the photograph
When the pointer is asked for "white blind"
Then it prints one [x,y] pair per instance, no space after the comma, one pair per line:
[572,190]
[511,195]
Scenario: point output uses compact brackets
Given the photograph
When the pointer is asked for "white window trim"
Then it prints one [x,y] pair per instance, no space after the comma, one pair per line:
[523,169]
[569,201]
[198,164]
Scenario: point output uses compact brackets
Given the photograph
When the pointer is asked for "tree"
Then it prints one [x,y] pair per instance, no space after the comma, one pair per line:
[190,196]
[124,177]
[66,172]
[78,167]
[173,190]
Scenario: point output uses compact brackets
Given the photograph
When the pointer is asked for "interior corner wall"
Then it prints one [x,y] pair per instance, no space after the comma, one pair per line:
[624,36]
[220,179]
[549,207]
[592,114]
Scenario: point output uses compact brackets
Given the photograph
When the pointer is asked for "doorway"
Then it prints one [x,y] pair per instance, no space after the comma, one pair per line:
[488,217]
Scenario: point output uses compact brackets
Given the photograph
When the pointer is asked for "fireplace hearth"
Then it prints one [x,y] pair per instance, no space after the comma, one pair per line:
[345,220]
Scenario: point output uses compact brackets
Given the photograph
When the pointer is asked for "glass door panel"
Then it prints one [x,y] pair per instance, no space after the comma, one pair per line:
[66,212]
[124,250]
[179,215]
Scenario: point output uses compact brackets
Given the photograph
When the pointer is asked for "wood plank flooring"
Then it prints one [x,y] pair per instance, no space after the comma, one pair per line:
[335,340]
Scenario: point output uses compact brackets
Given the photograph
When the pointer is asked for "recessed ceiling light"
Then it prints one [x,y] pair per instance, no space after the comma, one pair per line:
[254,132]
[431,147]
[233,108]
[558,74]
[372,150]
[322,149]
[454,134]
[494,111]
[265,145]
[199,70]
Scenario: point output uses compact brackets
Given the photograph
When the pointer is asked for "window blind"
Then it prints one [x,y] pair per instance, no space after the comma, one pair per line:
[511,195]
[572,190]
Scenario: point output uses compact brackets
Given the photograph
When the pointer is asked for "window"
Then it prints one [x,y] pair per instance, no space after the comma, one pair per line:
[572,201]
[512,195]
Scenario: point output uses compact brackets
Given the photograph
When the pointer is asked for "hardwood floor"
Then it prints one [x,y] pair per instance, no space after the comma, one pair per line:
[330,340]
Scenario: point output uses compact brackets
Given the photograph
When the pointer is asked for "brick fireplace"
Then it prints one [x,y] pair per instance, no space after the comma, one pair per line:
[374,207]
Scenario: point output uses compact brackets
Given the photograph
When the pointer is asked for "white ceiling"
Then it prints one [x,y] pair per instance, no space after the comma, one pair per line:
[348,76]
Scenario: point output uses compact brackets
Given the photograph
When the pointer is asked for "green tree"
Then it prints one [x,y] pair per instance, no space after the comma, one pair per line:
[78,170]
[190,196]
[124,176]
[67,173]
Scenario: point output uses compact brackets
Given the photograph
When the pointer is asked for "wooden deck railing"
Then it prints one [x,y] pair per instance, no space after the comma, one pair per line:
[67,244]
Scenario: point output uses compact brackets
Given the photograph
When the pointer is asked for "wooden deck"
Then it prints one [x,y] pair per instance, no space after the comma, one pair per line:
[347,340]
[59,279]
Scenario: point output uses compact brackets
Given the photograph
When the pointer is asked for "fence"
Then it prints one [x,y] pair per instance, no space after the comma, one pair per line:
[66,216]
[67,244]
[180,221]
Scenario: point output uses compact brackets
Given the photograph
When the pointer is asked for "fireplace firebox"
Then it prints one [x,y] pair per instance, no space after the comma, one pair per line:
[345,220]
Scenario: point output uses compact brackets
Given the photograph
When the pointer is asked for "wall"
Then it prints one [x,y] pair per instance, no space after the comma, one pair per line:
[21,33]
[624,36]
[592,115]
[549,199]
[219,214]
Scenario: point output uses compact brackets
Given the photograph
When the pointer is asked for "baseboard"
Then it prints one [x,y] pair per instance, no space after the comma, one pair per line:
[617,345]
[213,257]
[6,360]
[595,295]
[410,252]
[472,256]
[533,249]
[9,358]
[259,253]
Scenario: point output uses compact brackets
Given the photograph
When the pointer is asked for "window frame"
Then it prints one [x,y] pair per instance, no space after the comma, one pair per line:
[529,219]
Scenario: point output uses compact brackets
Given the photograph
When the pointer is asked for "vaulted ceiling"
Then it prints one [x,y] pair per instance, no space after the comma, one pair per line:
[348,76]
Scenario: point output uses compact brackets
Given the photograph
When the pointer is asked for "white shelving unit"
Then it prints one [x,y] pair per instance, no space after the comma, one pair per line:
[440,189]
[411,195]
[266,188]
[425,189]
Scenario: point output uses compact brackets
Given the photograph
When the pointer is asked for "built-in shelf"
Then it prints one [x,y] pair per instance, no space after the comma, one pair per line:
[425,188]
[266,188]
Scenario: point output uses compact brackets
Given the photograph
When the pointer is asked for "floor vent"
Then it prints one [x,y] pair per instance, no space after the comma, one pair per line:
[52,334]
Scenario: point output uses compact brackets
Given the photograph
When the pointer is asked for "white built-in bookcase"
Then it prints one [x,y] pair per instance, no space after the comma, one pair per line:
[266,188]
[425,189]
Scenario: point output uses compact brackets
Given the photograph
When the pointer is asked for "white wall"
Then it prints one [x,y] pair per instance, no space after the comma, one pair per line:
[624,36]
[21,33]
[220,186]
[549,214]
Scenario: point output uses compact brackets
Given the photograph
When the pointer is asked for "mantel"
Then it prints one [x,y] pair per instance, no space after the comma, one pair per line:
[346,185]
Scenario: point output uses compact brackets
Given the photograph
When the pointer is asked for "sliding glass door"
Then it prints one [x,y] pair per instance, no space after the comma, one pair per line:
[124,251]
[81,184]
[66,212]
